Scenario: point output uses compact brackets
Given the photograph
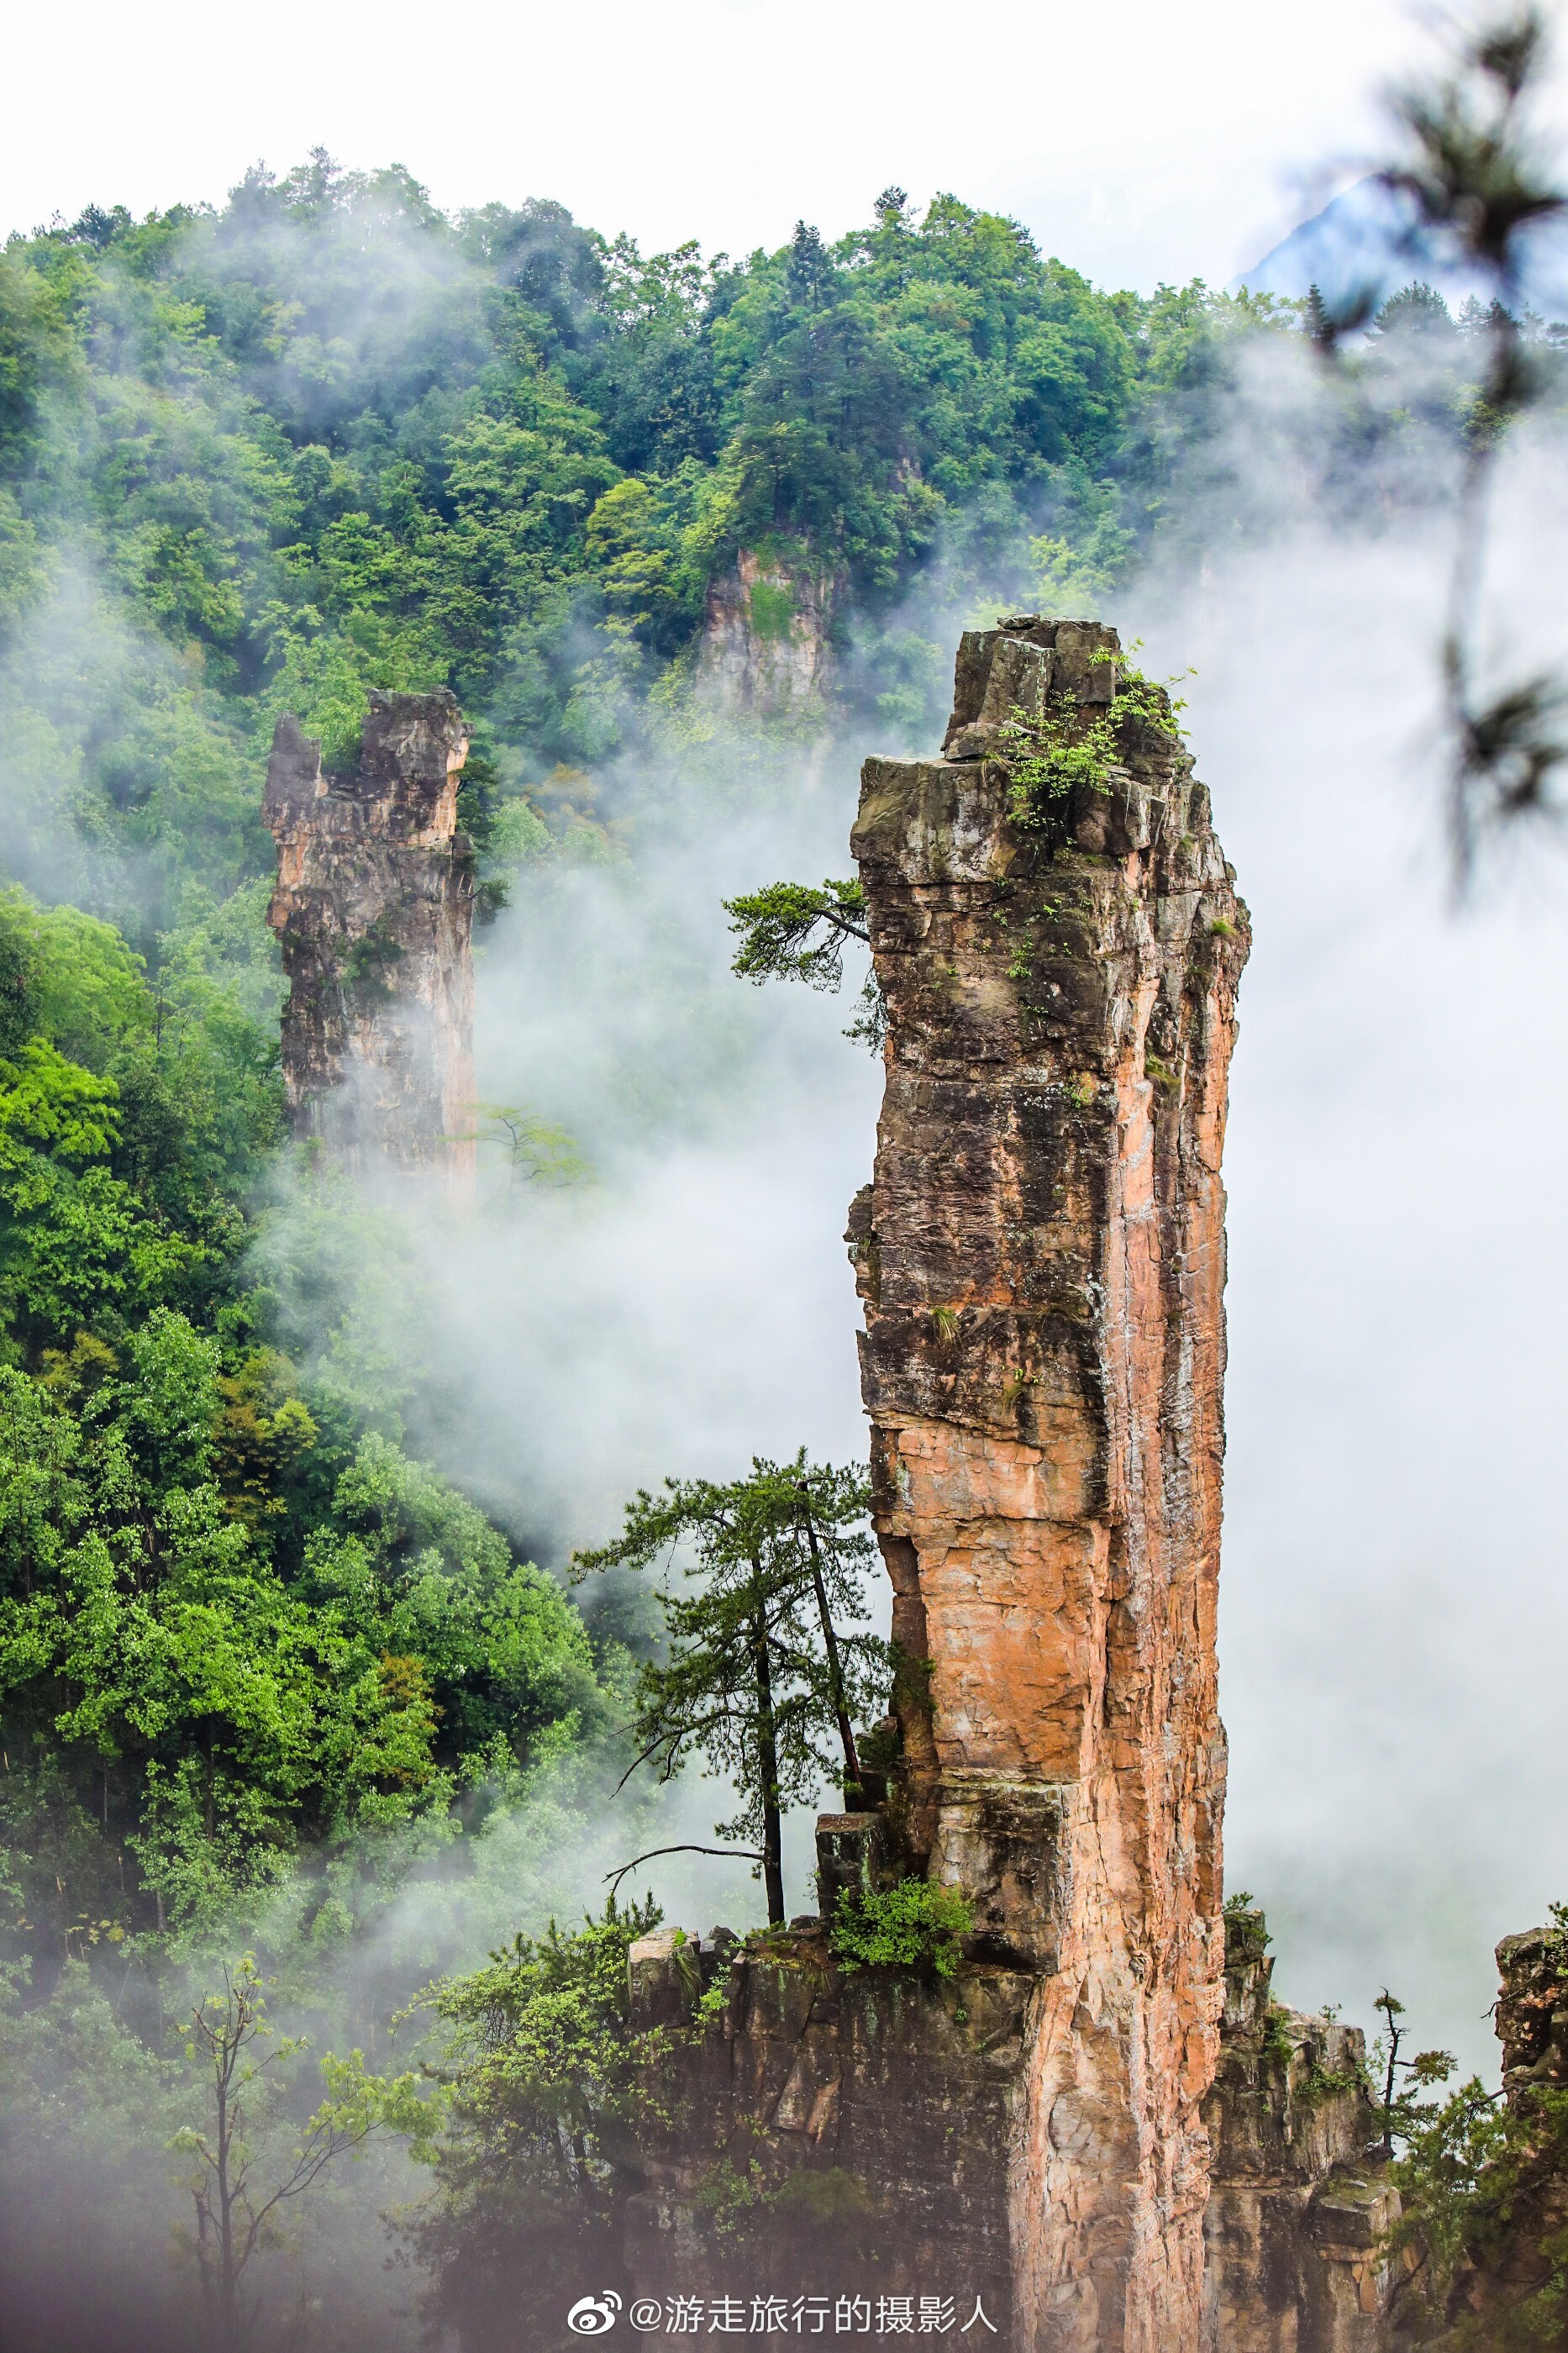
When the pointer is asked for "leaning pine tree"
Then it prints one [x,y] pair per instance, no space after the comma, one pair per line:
[769,1660]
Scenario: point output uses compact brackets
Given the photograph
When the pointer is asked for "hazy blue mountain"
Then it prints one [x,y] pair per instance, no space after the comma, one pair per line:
[1368,240]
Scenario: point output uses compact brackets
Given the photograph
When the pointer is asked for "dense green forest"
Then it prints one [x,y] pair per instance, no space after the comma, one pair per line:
[328,437]
[261,1670]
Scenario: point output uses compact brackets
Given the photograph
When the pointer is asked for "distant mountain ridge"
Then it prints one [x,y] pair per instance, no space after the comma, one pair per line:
[1368,238]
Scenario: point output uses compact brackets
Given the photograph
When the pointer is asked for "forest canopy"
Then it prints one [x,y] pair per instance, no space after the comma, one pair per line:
[328,437]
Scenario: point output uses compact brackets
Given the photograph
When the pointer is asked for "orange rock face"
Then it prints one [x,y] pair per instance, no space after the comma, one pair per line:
[373,910]
[1042,1260]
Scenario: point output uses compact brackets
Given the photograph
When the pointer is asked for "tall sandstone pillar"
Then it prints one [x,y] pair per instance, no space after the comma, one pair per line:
[1041,1256]
[373,910]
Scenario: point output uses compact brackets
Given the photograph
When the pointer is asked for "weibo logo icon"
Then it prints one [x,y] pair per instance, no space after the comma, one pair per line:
[593,2316]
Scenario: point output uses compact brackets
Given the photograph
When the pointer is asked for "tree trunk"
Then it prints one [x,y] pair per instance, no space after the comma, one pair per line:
[229,2308]
[835,1668]
[768,1772]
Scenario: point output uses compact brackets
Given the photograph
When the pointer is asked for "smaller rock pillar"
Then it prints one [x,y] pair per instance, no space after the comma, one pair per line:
[374,911]
[1300,2202]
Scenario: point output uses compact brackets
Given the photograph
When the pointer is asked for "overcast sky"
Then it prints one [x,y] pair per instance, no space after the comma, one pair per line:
[1141,142]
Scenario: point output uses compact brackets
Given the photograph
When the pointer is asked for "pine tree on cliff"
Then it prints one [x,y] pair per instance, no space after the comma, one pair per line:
[789,931]
[767,1666]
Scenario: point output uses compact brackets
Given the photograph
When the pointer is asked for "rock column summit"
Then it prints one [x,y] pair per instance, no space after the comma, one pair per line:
[373,910]
[1041,1254]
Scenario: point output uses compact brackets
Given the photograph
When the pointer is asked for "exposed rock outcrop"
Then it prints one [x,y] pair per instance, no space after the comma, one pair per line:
[764,653]
[1041,1253]
[1532,2009]
[373,910]
[1042,1259]
[1300,2202]
[832,2134]
[828,2134]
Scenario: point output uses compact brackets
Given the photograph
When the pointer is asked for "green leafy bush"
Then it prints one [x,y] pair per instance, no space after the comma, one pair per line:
[914,1926]
[545,2083]
[1070,745]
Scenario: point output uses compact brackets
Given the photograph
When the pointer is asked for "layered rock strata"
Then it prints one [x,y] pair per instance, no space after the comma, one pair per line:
[1300,2202]
[1041,1254]
[374,911]
[1532,2013]
[833,2137]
